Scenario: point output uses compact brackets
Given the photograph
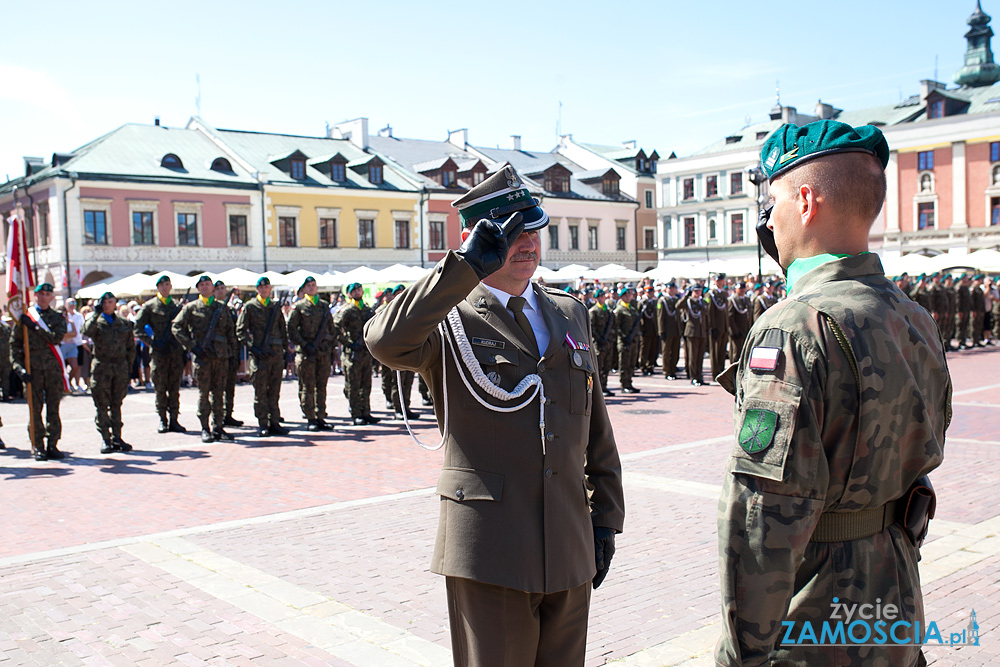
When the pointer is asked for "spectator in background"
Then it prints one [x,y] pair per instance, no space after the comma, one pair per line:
[70,347]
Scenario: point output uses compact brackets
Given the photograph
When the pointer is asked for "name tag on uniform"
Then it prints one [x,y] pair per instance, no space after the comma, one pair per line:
[764,358]
[486,342]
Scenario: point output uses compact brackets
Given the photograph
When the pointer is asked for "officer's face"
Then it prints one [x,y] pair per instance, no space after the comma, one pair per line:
[311,288]
[44,299]
[523,257]
[220,291]
[356,293]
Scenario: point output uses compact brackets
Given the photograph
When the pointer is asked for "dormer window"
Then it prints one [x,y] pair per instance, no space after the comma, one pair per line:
[171,161]
[478,177]
[222,164]
[936,109]
[448,178]
[338,171]
[375,173]
[297,169]
[609,186]
[557,182]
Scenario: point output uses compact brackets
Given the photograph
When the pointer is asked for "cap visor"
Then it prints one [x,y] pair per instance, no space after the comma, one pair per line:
[534,218]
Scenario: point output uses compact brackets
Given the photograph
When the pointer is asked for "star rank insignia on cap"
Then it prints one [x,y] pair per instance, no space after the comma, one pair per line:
[764,358]
[758,429]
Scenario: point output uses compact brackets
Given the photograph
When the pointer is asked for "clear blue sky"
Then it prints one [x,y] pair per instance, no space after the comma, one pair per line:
[674,75]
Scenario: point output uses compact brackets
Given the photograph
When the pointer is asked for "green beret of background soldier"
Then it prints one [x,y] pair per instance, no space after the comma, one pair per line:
[152,326]
[45,327]
[204,328]
[842,401]
[311,330]
[113,348]
[261,328]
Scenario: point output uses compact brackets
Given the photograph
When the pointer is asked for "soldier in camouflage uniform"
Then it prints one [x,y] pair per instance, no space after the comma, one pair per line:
[152,327]
[46,328]
[356,360]
[951,308]
[233,363]
[261,328]
[604,331]
[5,368]
[963,311]
[668,328]
[113,345]
[649,345]
[627,320]
[310,329]
[692,309]
[842,401]
[203,327]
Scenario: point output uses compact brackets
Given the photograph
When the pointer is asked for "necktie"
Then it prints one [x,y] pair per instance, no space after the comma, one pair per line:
[516,304]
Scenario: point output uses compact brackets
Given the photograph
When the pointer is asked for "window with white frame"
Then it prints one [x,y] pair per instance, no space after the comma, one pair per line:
[328,233]
[142,215]
[402,234]
[620,231]
[366,233]
[591,237]
[554,237]
[96,221]
[187,216]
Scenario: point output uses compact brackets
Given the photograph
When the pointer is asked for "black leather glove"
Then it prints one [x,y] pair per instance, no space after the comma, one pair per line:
[485,250]
[604,551]
[23,374]
[310,349]
[28,322]
[714,332]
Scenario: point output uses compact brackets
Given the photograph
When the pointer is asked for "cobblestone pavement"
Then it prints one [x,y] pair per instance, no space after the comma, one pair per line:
[314,550]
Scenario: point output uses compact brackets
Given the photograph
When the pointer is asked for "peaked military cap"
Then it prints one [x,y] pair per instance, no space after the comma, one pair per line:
[497,198]
[791,145]
[43,287]
[162,279]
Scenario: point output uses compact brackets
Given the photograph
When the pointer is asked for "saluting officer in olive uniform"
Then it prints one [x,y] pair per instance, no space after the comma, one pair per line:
[203,327]
[692,309]
[167,363]
[310,328]
[113,353]
[604,330]
[261,328]
[739,321]
[669,330]
[717,321]
[356,359]
[627,319]
[233,363]
[46,328]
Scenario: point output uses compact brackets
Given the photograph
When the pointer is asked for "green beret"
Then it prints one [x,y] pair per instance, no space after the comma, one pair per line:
[201,280]
[219,283]
[791,145]
[598,292]
[398,288]
[43,287]
[978,276]
[309,279]
[108,295]
[350,288]
[162,279]
[263,280]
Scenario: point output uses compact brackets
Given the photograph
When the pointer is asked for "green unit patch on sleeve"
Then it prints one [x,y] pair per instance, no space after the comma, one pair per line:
[758,430]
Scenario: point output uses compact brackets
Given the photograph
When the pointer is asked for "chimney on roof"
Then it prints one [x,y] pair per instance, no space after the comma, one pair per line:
[355,131]
[630,144]
[824,111]
[459,138]
[515,140]
[156,121]
[385,131]
[927,85]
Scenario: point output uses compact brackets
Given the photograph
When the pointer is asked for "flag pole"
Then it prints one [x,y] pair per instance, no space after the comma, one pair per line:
[18,244]
[28,393]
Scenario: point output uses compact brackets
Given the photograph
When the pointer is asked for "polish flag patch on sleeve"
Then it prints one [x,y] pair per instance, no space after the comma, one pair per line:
[764,358]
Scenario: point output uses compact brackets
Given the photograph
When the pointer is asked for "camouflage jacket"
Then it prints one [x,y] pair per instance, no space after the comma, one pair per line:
[627,321]
[38,342]
[602,326]
[304,324]
[350,324]
[252,323]
[158,316]
[964,303]
[5,333]
[191,325]
[821,430]
[113,342]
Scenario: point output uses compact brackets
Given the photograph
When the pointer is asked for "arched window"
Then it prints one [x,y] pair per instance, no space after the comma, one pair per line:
[171,161]
[222,164]
[996,175]
[711,228]
[926,183]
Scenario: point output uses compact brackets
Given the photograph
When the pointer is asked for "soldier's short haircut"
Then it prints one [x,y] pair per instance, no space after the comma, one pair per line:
[852,183]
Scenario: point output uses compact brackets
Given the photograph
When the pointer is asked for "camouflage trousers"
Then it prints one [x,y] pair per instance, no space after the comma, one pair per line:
[607,355]
[232,365]
[167,370]
[358,381]
[108,387]
[400,398]
[425,392]
[5,370]
[46,390]
[265,377]
[962,327]
[717,343]
[671,354]
[976,327]
[314,373]
[694,357]
[210,374]
[628,356]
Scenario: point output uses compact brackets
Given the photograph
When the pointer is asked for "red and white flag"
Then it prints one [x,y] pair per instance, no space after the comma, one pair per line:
[19,276]
[36,315]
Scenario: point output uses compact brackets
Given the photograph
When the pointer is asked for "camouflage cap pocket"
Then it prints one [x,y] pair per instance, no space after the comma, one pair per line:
[764,434]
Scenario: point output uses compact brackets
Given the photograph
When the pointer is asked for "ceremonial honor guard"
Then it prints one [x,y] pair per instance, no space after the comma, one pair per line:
[739,321]
[692,309]
[627,322]
[717,322]
[47,380]
[261,328]
[978,298]
[204,328]
[668,326]
[964,311]
[649,347]
[112,342]
[605,332]
[356,359]
[311,330]
[152,327]
[764,300]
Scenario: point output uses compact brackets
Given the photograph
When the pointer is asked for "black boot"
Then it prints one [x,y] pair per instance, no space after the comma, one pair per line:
[229,421]
[277,429]
[313,426]
[221,436]
[175,426]
[120,444]
[263,431]
[206,433]
[53,452]
[39,454]
[108,447]
[164,423]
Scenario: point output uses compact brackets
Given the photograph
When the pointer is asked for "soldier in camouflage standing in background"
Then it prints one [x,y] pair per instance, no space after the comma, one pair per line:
[310,329]
[261,328]
[233,363]
[152,327]
[357,360]
[114,351]
[602,328]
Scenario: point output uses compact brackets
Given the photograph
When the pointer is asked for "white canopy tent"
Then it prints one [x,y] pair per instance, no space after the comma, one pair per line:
[613,272]
[987,260]
[548,275]
[137,284]
[238,277]
[363,274]
[401,273]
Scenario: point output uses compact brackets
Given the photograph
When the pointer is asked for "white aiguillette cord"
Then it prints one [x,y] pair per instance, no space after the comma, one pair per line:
[475,369]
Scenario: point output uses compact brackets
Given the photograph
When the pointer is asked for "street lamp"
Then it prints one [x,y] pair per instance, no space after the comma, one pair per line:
[756,176]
